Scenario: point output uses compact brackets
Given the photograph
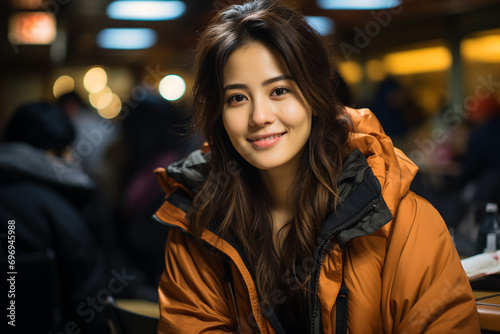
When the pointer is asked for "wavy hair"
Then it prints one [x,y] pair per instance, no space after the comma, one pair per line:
[240,210]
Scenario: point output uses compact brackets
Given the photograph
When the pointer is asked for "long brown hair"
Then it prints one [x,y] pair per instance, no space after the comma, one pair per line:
[240,209]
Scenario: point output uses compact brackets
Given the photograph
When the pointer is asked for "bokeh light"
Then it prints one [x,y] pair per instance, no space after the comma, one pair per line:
[101,99]
[172,87]
[421,60]
[112,109]
[375,70]
[352,72]
[126,38]
[485,49]
[64,84]
[95,79]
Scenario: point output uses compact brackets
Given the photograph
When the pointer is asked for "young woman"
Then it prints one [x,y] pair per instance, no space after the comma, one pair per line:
[297,216]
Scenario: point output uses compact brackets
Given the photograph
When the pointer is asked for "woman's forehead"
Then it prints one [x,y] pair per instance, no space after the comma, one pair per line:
[252,60]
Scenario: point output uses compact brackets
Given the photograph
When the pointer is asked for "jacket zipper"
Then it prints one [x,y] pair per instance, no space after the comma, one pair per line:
[324,244]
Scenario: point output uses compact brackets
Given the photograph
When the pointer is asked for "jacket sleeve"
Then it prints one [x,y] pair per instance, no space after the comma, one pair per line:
[428,289]
[192,293]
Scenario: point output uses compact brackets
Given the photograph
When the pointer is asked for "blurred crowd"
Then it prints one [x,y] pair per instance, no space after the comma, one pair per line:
[80,192]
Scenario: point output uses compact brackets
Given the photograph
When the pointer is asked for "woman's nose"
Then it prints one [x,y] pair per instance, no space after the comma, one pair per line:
[262,113]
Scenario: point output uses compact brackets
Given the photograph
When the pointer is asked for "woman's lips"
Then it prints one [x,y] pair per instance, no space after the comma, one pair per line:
[266,140]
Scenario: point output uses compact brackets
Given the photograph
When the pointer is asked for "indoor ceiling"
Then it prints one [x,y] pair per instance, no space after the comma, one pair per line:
[83,19]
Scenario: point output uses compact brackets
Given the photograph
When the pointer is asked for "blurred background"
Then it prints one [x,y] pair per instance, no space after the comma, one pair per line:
[122,71]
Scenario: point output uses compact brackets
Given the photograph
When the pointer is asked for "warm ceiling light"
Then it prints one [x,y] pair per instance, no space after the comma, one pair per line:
[357,4]
[323,25]
[485,49]
[126,38]
[32,28]
[146,10]
[418,61]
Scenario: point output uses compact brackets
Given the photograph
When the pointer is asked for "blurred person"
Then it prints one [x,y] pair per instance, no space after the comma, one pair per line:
[152,135]
[93,136]
[387,107]
[297,216]
[480,169]
[93,133]
[395,110]
[41,190]
[482,154]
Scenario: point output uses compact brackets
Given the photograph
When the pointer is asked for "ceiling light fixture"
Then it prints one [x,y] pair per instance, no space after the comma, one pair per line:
[357,4]
[126,38]
[146,10]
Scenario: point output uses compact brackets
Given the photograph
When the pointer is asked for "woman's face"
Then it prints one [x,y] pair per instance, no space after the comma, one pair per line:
[264,112]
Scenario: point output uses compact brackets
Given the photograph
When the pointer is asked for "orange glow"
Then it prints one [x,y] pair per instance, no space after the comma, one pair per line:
[375,70]
[485,49]
[32,28]
[423,60]
[351,72]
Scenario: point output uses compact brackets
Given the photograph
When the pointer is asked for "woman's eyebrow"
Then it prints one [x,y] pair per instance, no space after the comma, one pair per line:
[235,86]
[264,83]
[278,78]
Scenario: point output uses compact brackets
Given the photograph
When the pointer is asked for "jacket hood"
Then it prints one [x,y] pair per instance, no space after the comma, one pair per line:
[21,161]
[393,169]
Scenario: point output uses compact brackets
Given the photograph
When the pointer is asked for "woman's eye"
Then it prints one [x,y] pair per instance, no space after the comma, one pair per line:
[280,91]
[236,98]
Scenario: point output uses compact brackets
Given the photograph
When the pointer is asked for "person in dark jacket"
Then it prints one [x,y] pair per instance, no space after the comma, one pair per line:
[40,192]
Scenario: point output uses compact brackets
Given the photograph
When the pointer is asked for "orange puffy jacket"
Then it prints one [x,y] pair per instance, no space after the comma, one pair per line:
[401,271]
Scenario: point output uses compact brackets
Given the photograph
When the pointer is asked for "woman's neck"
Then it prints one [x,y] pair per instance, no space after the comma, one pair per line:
[278,182]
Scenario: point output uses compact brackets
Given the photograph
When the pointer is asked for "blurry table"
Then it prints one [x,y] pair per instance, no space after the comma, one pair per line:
[140,306]
[488,307]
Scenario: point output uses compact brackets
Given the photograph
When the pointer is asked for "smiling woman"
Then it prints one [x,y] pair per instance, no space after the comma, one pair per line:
[297,217]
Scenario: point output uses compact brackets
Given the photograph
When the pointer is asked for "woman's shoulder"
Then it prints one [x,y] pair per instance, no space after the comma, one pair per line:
[415,214]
